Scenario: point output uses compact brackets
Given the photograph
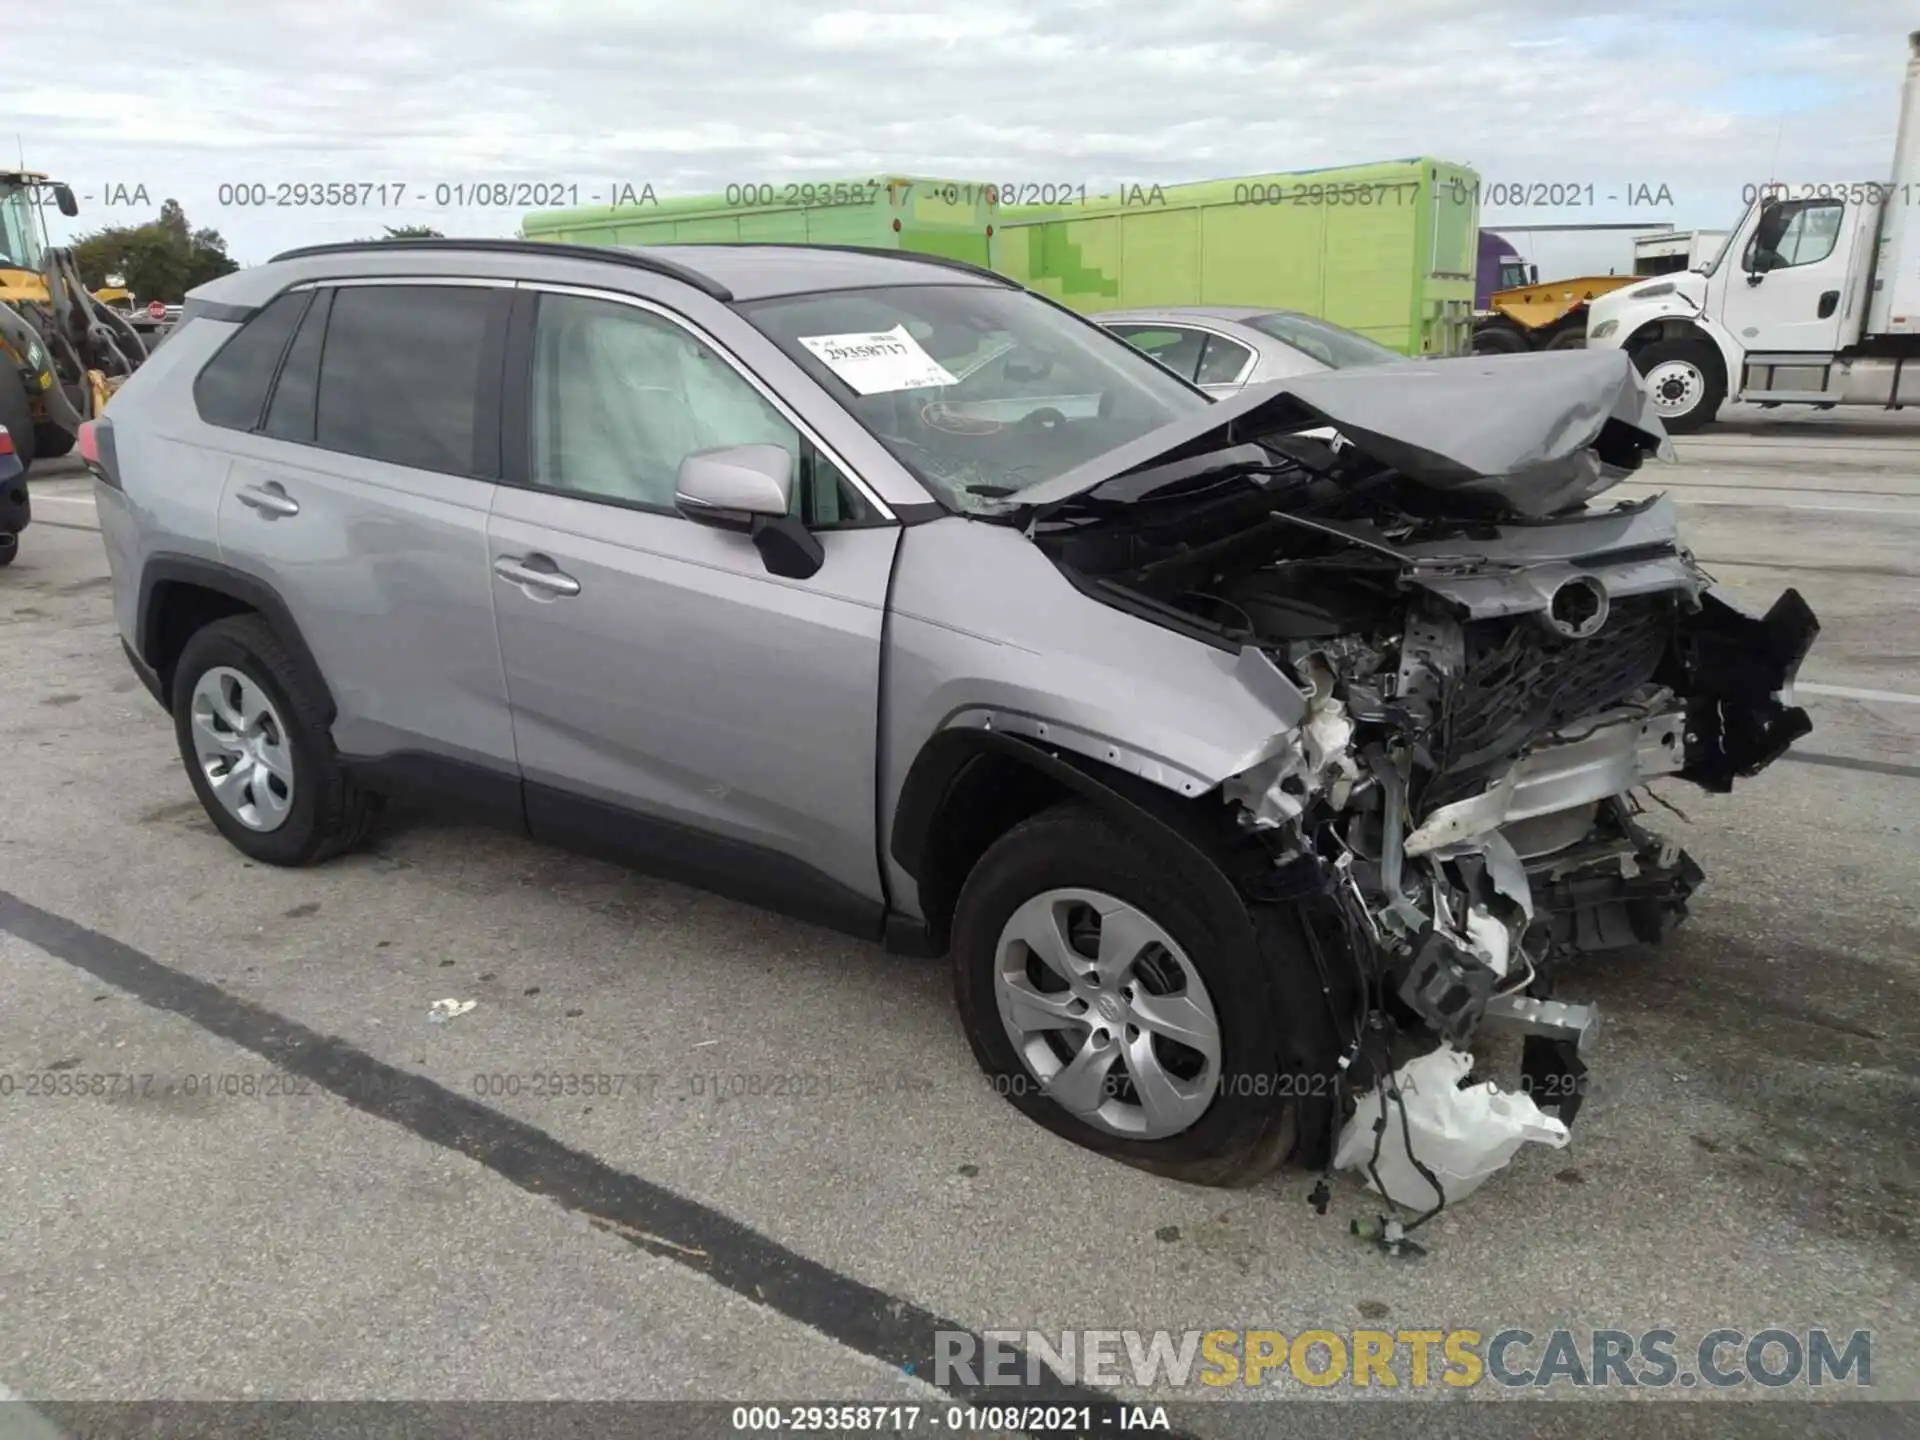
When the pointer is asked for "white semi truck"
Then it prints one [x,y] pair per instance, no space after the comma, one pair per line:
[1814,299]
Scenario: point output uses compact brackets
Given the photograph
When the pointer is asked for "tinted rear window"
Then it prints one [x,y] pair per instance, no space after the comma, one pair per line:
[400,375]
[232,390]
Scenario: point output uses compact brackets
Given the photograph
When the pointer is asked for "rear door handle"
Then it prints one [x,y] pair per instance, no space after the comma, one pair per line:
[268,499]
[521,571]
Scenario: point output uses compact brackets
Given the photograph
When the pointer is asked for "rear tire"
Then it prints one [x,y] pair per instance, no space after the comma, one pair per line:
[1232,1128]
[1574,337]
[1685,381]
[313,811]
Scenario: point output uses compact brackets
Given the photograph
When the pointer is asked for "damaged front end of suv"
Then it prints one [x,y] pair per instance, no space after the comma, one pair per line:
[1495,659]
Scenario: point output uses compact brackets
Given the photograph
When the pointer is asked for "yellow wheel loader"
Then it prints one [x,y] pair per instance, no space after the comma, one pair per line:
[63,350]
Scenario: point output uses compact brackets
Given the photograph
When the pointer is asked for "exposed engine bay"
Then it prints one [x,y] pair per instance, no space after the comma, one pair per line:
[1496,665]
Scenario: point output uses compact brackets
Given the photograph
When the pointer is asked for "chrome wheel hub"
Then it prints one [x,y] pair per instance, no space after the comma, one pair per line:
[1676,386]
[241,745]
[1107,1013]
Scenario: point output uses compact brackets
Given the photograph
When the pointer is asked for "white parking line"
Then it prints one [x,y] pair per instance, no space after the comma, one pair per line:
[1847,692]
[20,1421]
[1911,512]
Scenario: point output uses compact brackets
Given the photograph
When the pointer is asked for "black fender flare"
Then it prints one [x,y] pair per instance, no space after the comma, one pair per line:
[948,754]
[254,593]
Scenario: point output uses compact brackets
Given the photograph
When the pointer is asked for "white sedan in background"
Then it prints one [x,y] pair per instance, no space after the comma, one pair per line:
[1224,348]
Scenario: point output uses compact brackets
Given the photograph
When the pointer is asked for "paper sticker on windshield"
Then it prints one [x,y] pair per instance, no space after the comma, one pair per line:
[882,361]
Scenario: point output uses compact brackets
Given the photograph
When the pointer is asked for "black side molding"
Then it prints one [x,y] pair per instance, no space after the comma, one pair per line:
[460,788]
[146,673]
[166,569]
[714,863]
[944,760]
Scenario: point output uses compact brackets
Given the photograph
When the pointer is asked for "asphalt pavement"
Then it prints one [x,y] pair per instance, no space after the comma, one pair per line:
[682,1149]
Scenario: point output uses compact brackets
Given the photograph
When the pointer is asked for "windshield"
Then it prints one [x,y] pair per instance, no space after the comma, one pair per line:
[1328,344]
[19,227]
[1708,267]
[979,390]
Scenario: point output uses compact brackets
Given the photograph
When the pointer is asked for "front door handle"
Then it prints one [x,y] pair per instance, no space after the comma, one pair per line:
[268,499]
[521,572]
[1829,302]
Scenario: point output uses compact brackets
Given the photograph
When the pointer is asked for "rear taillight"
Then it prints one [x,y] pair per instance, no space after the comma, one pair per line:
[6,441]
[96,450]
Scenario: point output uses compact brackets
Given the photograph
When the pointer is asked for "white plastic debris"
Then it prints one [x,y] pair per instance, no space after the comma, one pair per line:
[1276,791]
[1491,940]
[444,1010]
[1462,1135]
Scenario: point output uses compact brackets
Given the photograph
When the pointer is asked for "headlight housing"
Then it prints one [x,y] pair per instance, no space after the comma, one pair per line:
[1665,287]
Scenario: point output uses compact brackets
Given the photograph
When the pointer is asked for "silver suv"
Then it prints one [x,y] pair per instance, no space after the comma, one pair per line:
[1220,758]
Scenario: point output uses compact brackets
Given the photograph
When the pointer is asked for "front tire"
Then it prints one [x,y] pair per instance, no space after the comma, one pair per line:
[1684,378]
[257,749]
[1105,1002]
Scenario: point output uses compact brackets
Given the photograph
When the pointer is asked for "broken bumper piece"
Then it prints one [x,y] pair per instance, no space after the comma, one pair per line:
[1737,673]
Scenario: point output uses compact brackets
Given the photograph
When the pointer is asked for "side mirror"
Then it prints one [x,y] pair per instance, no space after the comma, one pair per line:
[748,489]
[63,198]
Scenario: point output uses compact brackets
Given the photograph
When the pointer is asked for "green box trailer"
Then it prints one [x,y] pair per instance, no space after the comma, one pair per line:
[1386,249]
[954,218]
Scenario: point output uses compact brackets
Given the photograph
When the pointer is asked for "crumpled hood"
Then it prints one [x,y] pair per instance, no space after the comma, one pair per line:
[1525,434]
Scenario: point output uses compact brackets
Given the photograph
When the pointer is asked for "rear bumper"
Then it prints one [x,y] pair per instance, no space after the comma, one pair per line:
[146,673]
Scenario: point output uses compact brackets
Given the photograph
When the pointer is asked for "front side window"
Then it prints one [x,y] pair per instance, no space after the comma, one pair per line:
[622,396]
[978,390]
[1795,232]
[400,375]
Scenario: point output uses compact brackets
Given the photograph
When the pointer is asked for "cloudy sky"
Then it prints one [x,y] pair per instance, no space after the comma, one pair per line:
[180,97]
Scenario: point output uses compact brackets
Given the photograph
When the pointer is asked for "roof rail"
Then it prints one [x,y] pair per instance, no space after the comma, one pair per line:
[948,261]
[614,254]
